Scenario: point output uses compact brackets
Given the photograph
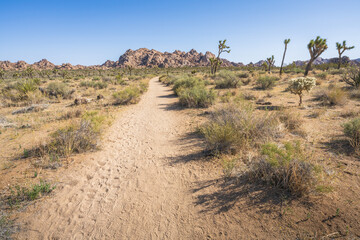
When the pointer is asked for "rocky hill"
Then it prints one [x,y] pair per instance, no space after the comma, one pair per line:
[144,57]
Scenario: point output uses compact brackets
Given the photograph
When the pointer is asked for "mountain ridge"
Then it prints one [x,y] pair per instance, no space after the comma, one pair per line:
[146,58]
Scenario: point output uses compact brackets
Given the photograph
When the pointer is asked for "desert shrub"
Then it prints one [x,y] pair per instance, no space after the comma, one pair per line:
[96,120]
[243,75]
[186,82]
[248,96]
[196,96]
[227,79]
[331,96]
[336,71]
[71,114]
[300,85]
[59,89]
[322,75]
[73,139]
[129,95]
[266,82]
[97,78]
[97,85]
[19,194]
[352,77]
[27,85]
[144,85]
[285,167]
[236,127]
[291,119]
[352,132]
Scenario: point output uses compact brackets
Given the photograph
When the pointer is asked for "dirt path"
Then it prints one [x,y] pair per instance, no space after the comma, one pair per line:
[130,189]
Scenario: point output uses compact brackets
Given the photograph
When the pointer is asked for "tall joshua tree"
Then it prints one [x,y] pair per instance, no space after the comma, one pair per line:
[316,48]
[216,62]
[341,49]
[286,42]
[270,62]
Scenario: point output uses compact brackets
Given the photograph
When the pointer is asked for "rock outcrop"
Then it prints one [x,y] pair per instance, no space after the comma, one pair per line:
[145,58]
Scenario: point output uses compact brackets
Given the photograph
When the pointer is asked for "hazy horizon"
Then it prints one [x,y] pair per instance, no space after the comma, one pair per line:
[91,32]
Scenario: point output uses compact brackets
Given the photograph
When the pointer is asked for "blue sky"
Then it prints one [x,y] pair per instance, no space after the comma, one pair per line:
[91,32]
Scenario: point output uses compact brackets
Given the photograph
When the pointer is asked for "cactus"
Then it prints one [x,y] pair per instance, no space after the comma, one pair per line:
[300,85]
[341,49]
[216,62]
[286,42]
[316,48]
[270,62]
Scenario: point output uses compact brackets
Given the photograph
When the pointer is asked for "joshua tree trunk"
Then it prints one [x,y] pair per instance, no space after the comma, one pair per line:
[300,102]
[308,67]
[282,62]
[339,63]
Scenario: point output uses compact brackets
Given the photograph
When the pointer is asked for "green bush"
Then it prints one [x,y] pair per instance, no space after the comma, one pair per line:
[243,75]
[322,75]
[236,127]
[352,132]
[196,96]
[186,82]
[129,95]
[97,85]
[284,167]
[59,89]
[27,85]
[227,79]
[20,194]
[266,82]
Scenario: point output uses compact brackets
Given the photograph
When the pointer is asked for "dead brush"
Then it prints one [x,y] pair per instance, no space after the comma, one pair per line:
[331,96]
[286,167]
[76,138]
[290,119]
[71,114]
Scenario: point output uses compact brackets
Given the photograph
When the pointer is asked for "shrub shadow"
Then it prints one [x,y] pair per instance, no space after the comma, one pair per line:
[239,191]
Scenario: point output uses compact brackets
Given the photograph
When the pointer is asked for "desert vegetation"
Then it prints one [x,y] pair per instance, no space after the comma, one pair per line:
[49,116]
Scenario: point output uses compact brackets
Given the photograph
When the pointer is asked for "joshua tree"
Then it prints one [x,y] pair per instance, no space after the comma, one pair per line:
[265,66]
[216,62]
[2,73]
[270,62]
[130,68]
[286,42]
[341,49]
[316,48]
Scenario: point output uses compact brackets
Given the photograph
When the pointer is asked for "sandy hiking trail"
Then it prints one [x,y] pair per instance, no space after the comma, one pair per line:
[136,187]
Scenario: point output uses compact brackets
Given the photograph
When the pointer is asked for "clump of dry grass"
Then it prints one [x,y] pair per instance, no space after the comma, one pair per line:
[71,114]
[352,132]
[331,96]
[291,119]
[236,127]
[284,167]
